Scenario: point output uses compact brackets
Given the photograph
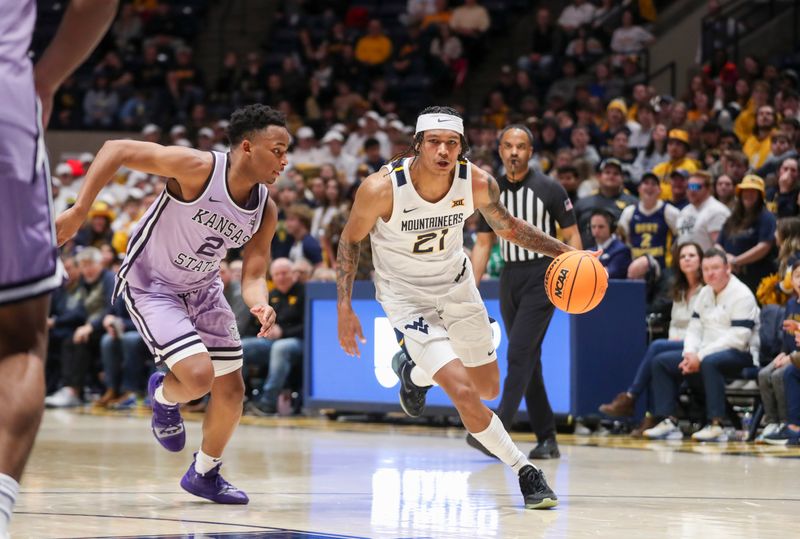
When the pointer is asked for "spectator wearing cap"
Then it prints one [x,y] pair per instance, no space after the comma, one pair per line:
[677,149]
[68,187]
[333,153]
[151,133]
[305,152]
[782,200]
[298,226]
[704,217]
[205,139]
[748,235]
[177,133]
[610,195]
[97,231]
[649,227]
[132,211]
[782,148]
[617,119]
[369,126]
[758,145]
[678,183]
[616,255]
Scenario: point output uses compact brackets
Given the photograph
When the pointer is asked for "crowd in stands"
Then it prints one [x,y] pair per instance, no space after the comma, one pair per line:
[664,184]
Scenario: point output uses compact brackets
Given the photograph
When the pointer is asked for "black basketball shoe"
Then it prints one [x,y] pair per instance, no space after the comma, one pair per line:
[412,397]
[535,490]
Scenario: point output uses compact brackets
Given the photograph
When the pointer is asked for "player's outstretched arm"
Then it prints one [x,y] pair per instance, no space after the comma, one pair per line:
[486,197]
[84,23]
[255,262]
[373,201]
[189,167]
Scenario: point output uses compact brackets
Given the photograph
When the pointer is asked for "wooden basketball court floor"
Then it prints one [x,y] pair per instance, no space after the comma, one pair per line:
[103,475]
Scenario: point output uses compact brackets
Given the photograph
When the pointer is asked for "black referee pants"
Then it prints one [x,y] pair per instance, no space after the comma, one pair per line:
[526,314]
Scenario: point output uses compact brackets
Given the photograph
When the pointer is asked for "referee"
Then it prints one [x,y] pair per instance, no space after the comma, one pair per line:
[543,202]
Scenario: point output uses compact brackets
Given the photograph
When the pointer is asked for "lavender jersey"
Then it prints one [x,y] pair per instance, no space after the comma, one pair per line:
[177,246]
[29,264]
[18,121]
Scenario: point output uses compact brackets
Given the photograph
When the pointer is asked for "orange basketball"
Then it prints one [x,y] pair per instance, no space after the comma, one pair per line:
[576,282]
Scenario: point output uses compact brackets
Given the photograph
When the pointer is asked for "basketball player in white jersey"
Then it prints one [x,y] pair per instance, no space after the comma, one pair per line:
[414,210]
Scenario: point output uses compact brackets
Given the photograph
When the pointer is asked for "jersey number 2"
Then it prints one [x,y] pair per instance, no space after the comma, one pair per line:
[212,244]
[422,239]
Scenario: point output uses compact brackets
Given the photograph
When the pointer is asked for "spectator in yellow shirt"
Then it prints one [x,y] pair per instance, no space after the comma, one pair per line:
[746,121]
[374,48]
[758,145]
[677,149]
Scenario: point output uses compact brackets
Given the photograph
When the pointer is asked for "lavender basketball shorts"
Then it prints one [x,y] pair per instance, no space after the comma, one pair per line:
[29,263]
[176,326]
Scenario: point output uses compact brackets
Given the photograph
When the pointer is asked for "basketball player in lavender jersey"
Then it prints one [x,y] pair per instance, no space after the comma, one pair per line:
[414,211]
[170,277]
[29,266]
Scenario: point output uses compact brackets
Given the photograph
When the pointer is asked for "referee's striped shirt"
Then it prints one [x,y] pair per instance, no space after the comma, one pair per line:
[539,200]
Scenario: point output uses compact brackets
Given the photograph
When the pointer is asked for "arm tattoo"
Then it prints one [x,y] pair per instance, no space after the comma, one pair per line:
[346,266]
[516,230]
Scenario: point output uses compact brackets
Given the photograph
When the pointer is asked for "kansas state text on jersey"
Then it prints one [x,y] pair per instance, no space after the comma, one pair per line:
[178,245]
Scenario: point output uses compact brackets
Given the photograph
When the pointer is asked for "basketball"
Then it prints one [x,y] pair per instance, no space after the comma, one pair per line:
[576,282]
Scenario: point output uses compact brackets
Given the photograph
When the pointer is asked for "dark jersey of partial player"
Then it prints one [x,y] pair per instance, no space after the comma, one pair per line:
[539,200]
[650,235]
[178,245]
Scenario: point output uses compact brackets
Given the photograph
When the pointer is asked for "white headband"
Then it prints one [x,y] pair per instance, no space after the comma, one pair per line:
[426,122]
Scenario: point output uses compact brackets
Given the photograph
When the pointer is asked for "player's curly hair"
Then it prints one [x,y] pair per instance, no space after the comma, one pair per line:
[413,149]
[252,118]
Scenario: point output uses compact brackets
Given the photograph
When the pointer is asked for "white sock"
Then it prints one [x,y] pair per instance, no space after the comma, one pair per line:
[9,488]
[496,439]
[159,396]
[204,463]
[420,378]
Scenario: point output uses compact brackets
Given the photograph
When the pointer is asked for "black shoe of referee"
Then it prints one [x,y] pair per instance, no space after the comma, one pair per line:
[412,397]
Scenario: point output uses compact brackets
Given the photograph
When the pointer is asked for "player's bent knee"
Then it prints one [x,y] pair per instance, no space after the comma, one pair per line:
[464,395]
[198,377]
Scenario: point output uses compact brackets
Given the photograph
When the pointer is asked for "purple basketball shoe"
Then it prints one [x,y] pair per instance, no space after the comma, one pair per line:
[167,422]
[212,486]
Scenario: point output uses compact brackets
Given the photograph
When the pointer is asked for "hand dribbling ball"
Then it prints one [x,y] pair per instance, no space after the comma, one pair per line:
[576,282]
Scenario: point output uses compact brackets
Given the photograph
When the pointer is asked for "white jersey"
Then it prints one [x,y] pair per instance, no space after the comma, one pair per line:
[419,250]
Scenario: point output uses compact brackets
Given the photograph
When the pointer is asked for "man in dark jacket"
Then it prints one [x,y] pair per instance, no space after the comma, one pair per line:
[616,255]
[77,353]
